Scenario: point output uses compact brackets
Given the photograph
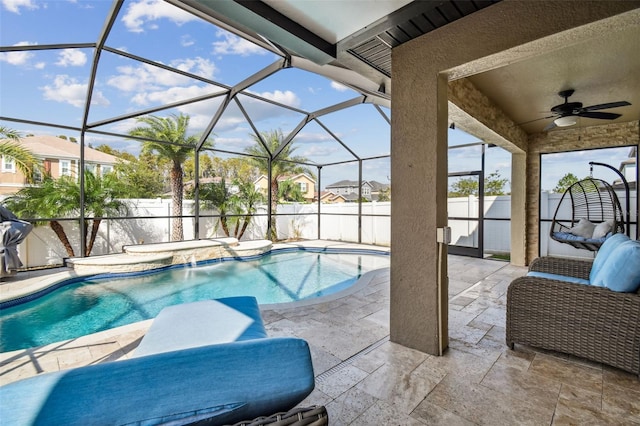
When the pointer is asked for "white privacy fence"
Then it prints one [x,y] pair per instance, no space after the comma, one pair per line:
[337,222]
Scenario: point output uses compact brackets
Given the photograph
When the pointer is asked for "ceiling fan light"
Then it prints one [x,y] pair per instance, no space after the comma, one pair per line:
[566,121]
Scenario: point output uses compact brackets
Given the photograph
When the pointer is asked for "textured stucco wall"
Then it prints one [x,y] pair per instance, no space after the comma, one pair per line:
[495,36]
[572,139]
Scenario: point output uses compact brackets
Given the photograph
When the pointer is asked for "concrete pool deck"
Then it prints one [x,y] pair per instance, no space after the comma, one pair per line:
[364,379]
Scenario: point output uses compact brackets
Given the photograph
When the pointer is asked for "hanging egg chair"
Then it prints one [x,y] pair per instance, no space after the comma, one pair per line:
[595,214]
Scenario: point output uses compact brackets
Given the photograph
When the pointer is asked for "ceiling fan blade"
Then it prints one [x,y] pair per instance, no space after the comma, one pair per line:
[599,115]
[549,126]
[536,119]
[606,106]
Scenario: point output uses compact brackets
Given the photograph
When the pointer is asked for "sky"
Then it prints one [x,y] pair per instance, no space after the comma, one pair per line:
[51,86]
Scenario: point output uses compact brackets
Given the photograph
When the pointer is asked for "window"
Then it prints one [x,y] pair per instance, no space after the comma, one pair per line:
[303,186]
[8,165]
[90,168]
[37,175]
[65,168]
[366,190]
[106,170]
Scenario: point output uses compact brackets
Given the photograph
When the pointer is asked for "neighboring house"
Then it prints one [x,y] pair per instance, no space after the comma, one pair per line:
[59,157]
[628,169]
[306,184]
[349,189]
[329,197]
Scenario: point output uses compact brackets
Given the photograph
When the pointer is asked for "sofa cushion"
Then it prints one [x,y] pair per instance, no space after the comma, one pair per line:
[207,322]
[558,277]
[621,271]
[609,245]
[229,382]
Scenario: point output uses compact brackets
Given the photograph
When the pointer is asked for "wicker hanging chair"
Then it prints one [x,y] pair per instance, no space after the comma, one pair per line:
[593,200]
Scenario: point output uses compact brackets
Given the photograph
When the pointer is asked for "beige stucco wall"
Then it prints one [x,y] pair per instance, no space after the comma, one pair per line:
[604,136]
[495,36]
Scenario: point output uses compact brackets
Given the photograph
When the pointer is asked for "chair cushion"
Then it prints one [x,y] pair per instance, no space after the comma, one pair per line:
[621,271]
[558,277]
[609,245]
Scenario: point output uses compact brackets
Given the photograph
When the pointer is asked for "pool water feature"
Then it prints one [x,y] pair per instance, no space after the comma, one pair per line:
[104,302]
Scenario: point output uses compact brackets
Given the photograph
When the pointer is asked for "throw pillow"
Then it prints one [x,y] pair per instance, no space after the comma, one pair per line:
[602,229]
[609,245]
[583,229]
[621,271]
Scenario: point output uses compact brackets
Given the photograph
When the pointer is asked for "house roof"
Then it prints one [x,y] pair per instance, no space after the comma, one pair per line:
[375,185]
[46,146]
[287,177]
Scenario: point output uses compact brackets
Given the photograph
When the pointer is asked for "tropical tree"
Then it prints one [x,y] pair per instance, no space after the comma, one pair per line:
[60,198]
[236,209]
[248,199]
[167,137]
[385,194]
[288,190]
[10,149]
[565,182]
[493,185]
[216,196]
[284,164]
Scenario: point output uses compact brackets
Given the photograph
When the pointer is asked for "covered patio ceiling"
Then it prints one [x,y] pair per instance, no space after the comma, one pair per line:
[602,66]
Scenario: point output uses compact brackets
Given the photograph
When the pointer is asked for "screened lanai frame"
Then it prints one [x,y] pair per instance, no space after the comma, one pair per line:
[229,95]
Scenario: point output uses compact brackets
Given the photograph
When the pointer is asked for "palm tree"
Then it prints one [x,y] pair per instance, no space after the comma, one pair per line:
[282,166]
[10,149]
[241,205]
[247,200]
[60,198]
[216,195]
[169,140]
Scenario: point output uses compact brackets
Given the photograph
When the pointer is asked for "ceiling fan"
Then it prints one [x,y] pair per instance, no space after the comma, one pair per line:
[567,113]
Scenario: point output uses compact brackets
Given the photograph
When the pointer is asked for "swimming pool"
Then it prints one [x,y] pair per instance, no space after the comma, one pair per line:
[104,302]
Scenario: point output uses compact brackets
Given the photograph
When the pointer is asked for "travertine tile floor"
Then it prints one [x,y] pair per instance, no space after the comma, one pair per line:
[364,379]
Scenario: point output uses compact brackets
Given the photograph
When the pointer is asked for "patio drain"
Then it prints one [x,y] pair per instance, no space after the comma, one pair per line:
[323,376]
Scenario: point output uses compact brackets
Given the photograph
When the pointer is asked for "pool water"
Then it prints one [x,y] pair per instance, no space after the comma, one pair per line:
[103,303]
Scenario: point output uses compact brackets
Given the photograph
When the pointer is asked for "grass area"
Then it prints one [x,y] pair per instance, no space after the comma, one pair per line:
[506,257]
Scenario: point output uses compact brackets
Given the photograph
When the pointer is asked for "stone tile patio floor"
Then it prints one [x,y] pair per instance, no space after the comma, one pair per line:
[364,379]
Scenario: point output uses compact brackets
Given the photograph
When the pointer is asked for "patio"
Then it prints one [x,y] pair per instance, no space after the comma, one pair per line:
[363,379]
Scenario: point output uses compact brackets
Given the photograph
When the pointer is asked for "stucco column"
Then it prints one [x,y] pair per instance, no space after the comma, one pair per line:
[419,170]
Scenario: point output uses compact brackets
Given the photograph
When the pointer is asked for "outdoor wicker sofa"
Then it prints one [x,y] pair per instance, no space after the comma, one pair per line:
[201,363]
[547,310]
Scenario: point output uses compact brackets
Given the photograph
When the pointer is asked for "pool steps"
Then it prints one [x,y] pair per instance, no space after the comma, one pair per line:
[144,257]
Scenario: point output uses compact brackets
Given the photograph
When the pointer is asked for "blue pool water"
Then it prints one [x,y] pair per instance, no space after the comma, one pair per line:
[103,302]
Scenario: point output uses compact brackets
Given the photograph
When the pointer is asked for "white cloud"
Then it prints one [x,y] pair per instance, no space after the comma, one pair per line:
[199,66]
[186,41]
[146,77]
[167,96]
[18,58]
[40,65]
[68,89]
[71,57]
[287,97]
[339,87]
[15,5]
[140,14]
[234,45]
